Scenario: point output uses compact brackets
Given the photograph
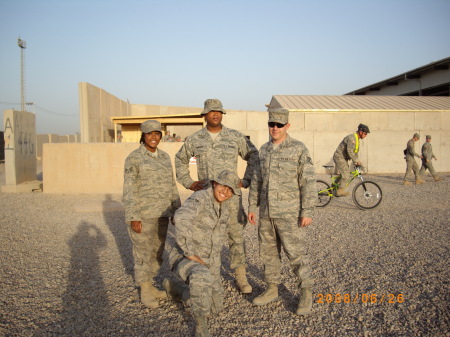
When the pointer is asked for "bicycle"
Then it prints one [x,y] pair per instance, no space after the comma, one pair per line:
[366,194]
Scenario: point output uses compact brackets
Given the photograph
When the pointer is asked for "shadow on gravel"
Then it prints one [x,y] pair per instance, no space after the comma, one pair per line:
[115,219]
[86,309]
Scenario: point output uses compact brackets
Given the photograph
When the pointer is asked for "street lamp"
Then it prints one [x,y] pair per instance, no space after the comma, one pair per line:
[22,44]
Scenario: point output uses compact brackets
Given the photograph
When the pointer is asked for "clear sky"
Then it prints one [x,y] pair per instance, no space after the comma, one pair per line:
[180,53]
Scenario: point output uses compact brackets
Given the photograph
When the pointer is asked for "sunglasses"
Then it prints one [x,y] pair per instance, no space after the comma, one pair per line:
[278,125]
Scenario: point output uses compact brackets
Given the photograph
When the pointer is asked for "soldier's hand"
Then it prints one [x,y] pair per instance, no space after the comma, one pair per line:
[303,222]
[136,226]
[252,218]
[197,185]
[195,258]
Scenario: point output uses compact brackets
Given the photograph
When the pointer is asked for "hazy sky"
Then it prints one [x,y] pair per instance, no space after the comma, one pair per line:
[182,52]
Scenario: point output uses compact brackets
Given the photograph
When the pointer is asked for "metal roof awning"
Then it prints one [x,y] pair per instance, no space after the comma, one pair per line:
[328,103]
[183,119]
[163,119]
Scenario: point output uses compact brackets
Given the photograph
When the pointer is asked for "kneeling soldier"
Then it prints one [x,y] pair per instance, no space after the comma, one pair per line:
[201,230]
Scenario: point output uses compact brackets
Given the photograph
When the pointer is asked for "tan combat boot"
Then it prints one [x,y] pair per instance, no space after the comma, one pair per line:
[419,181]
[161,294]
[147,298]
[341,192]
[305,303]
[241,279]
[270,295]
[175,291]
[201,327]
[407,183]
[437,178]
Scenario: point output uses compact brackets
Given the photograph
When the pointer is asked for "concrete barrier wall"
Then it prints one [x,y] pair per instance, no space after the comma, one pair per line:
[20,146]
[98,167]
[95,167]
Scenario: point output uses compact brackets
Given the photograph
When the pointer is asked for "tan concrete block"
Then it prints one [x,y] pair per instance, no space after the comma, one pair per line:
[318,122]
[401,121]
[235,120]
[297,120]
[256,120]
[376,121]
[428,120]
[346,121]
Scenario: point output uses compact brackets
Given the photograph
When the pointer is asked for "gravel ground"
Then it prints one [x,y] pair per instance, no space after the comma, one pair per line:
[66,266]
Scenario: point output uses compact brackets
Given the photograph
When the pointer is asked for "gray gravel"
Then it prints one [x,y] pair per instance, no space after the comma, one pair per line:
[66,266]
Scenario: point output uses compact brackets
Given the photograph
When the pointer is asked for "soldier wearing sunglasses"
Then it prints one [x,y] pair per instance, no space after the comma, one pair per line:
[284,189]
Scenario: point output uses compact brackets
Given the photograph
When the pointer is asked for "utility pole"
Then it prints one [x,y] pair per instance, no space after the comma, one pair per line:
[22,44]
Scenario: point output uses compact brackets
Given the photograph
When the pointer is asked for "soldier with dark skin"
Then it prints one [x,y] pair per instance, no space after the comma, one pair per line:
[201,230]
[284,189]
[150,197]
[216,148]
[348,150]
[411,164]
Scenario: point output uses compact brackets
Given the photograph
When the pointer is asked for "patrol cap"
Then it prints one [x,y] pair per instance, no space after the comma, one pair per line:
[428,137]
[230,179]
[213,104]
[279,115]
[150,125]
[416,135]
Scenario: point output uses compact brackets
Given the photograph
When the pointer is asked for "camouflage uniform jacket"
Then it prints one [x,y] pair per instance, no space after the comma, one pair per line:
[285,185]
[214,157]
[410,151]
[347,148]
[427,152]
[201,226]
[149,188]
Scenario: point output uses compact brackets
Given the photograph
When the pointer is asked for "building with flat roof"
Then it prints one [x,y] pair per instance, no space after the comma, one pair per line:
[432,79]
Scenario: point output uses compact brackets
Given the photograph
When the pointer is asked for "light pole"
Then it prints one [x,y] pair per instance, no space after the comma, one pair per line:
[22,44]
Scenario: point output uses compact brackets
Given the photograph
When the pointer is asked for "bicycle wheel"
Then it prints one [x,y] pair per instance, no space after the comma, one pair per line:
[367,195]
[324,193]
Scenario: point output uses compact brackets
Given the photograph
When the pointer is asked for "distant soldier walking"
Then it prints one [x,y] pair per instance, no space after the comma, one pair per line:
[216,148]
[284,188]
[150,197]
[348,150]
[411,164]
[427,156]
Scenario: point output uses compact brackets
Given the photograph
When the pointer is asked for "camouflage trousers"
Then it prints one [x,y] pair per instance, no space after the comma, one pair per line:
[275,234]
[426,166]
[236,225]
[148,248]
[205,286]
[411,165]
[341,166]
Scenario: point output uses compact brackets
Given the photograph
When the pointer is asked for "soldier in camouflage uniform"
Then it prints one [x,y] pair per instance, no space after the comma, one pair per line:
[284,188]
[201,231]
[348,150]
[150,197]
[411,164]
[216,148]
[427,156]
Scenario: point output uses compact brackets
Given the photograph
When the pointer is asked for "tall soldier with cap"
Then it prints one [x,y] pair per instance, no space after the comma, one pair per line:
[200,232]
[216,148]
[427,156]
[411,164]
[348,150]
[284,188]
[150,197]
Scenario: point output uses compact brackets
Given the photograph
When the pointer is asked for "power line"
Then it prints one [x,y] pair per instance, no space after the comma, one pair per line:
[43,109]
